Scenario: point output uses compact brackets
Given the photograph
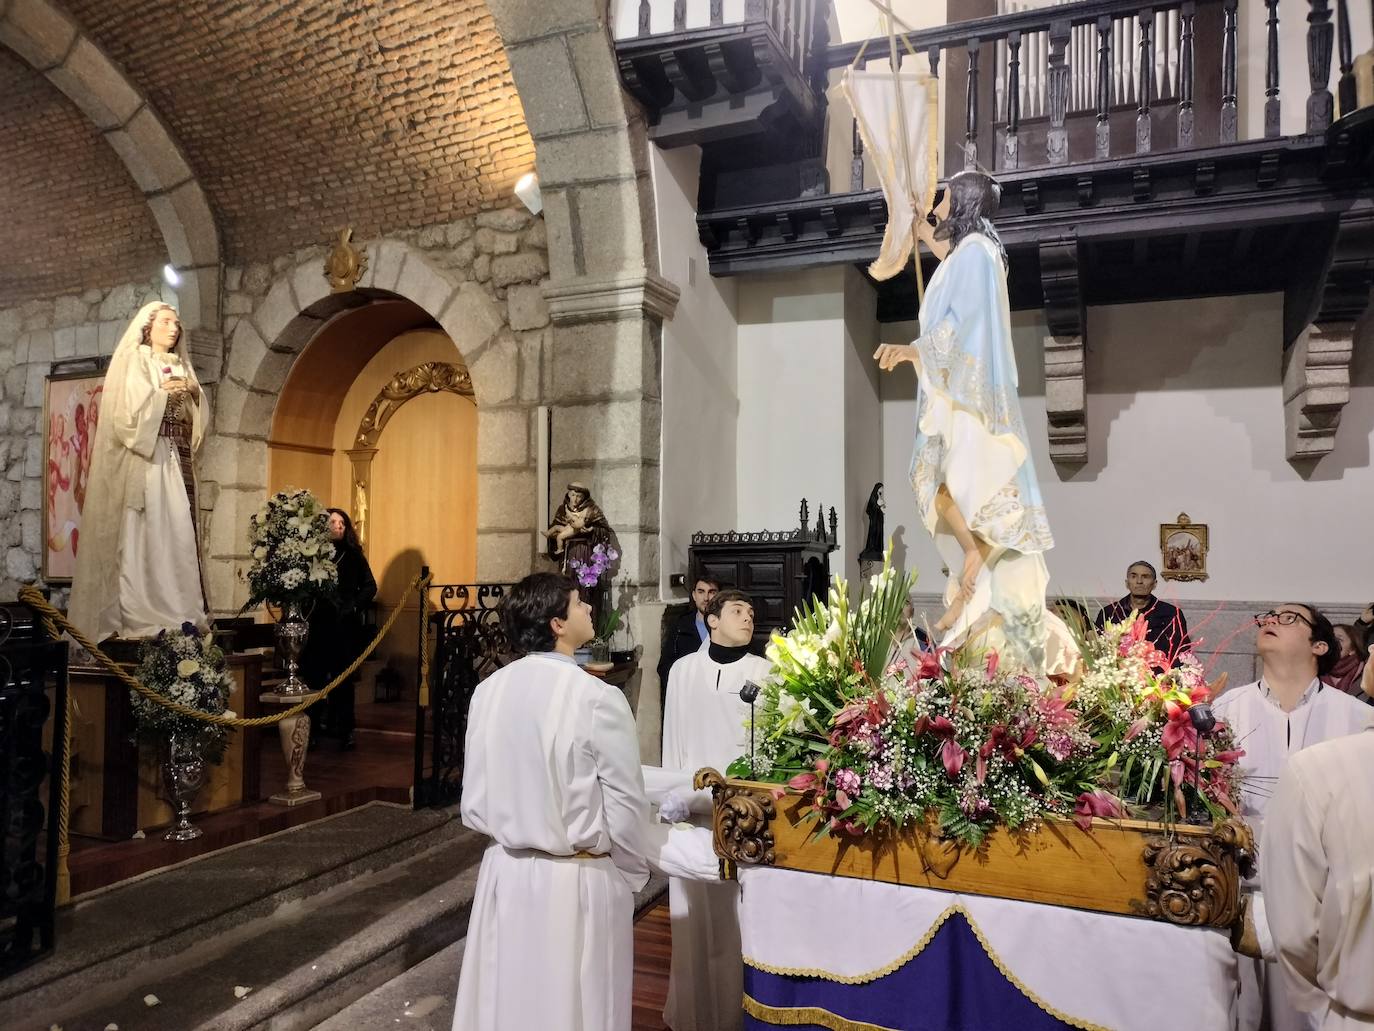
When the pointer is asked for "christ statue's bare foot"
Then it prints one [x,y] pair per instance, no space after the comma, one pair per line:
[952,614]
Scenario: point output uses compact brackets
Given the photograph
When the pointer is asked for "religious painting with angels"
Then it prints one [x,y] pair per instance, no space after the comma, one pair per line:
[71,409]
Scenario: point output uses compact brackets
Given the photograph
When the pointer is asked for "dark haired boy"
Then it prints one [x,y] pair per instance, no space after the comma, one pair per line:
[552,775]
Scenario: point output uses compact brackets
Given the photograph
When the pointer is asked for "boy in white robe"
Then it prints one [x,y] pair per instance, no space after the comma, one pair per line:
[706,723]
[552,774]
[1318,863]
[1285,711]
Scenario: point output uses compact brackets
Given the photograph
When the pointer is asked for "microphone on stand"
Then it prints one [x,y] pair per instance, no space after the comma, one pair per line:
[748,693]
[1204,721]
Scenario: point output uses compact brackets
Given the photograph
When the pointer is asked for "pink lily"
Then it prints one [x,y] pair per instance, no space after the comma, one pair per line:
[1096,803]
[951,754]
[992,664]
[1179,733]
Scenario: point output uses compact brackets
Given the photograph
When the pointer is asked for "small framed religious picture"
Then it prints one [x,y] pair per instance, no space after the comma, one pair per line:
[71,410]
[1183,549]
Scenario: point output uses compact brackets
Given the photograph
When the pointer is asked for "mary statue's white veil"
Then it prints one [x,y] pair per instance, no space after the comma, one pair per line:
[131,405]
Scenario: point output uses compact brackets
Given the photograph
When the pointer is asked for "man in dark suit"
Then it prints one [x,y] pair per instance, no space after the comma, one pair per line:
[686,633]
[1166,627]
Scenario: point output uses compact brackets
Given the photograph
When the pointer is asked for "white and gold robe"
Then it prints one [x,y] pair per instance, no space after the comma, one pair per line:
[137,562]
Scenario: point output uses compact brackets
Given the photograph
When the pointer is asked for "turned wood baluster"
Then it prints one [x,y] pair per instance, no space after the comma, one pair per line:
[1057,81]
[1104,86]
[1185,75]
[1228,72]
[1271,72]
[1319,33]
[679,15]
[1011,150]
[717,12]
[644,13]
[1146,66]
[856,162]
[971,110]
[1345,91]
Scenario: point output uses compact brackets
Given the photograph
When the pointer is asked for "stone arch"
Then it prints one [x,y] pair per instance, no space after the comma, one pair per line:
[265,343]
[49,39]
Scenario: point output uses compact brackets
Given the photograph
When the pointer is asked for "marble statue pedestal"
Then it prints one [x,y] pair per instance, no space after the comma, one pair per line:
[295,742]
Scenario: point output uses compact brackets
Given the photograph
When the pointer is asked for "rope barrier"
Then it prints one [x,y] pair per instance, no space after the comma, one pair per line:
[54,623]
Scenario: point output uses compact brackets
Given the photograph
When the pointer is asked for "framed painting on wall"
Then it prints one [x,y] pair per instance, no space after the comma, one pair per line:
[1183,549]
[71,411]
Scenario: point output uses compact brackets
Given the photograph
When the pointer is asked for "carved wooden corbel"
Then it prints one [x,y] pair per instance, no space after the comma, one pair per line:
[1065,380]
[1320,340]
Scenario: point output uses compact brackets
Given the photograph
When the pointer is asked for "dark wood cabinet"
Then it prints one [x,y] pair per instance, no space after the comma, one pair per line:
[777,569]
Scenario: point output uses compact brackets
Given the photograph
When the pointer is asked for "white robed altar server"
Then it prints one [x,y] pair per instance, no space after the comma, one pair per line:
[1287,710]
[552,774]
[1317,858]
[706,723]
[137,558]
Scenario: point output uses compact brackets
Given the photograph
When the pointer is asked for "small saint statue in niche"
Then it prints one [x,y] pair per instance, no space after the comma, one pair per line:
[876,541]
[578,526]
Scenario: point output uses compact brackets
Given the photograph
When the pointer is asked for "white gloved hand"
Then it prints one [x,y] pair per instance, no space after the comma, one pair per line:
[674,808]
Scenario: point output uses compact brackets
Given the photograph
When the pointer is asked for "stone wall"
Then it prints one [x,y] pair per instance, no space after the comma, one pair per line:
[480,278]
[33,336]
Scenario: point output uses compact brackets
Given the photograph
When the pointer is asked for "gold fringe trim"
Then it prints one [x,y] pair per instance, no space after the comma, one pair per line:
[896,964]
[872,975]
[795,1016]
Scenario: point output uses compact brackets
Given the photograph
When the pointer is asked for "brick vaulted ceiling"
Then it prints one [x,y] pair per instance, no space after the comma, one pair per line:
[73,217]
[300,116]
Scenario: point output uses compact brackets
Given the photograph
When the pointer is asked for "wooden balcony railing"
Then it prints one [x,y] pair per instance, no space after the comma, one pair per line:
[1096,58]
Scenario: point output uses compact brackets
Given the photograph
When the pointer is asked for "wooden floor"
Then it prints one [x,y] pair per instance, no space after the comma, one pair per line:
[653,946]
[380,768]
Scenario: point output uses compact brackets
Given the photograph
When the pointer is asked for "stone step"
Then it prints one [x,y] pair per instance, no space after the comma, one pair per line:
[158,926]
[422,998]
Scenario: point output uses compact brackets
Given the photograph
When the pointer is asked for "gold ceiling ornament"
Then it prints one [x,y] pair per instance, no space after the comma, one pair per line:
[426,378]
[345,264]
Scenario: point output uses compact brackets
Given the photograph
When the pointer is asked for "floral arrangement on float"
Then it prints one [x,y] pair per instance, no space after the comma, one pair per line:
[960,743]
[292,566]
[186,666]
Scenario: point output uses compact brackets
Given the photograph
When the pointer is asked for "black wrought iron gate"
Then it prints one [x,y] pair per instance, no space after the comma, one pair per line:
[466,643]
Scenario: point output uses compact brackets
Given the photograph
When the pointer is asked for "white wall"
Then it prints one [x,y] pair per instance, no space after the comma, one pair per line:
[791,376]
[700,396]
[1185,413]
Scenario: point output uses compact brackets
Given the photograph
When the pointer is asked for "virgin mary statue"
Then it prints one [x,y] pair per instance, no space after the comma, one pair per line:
[971,466]
[138,562]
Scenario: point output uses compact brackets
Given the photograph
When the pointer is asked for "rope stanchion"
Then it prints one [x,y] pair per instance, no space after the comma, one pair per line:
[54,622]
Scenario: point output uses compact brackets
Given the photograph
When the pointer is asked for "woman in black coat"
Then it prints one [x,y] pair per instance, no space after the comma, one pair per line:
[338,632]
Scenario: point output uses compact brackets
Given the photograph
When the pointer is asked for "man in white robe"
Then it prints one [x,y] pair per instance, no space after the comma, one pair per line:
[706,723]
[1285,711]
[552,774]
[1318,863]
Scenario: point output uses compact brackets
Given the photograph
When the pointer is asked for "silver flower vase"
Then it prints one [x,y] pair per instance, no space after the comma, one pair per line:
[292,632]
[183,773]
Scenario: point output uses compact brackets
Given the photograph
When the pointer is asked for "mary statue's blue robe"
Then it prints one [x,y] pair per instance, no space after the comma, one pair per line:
[971,439]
